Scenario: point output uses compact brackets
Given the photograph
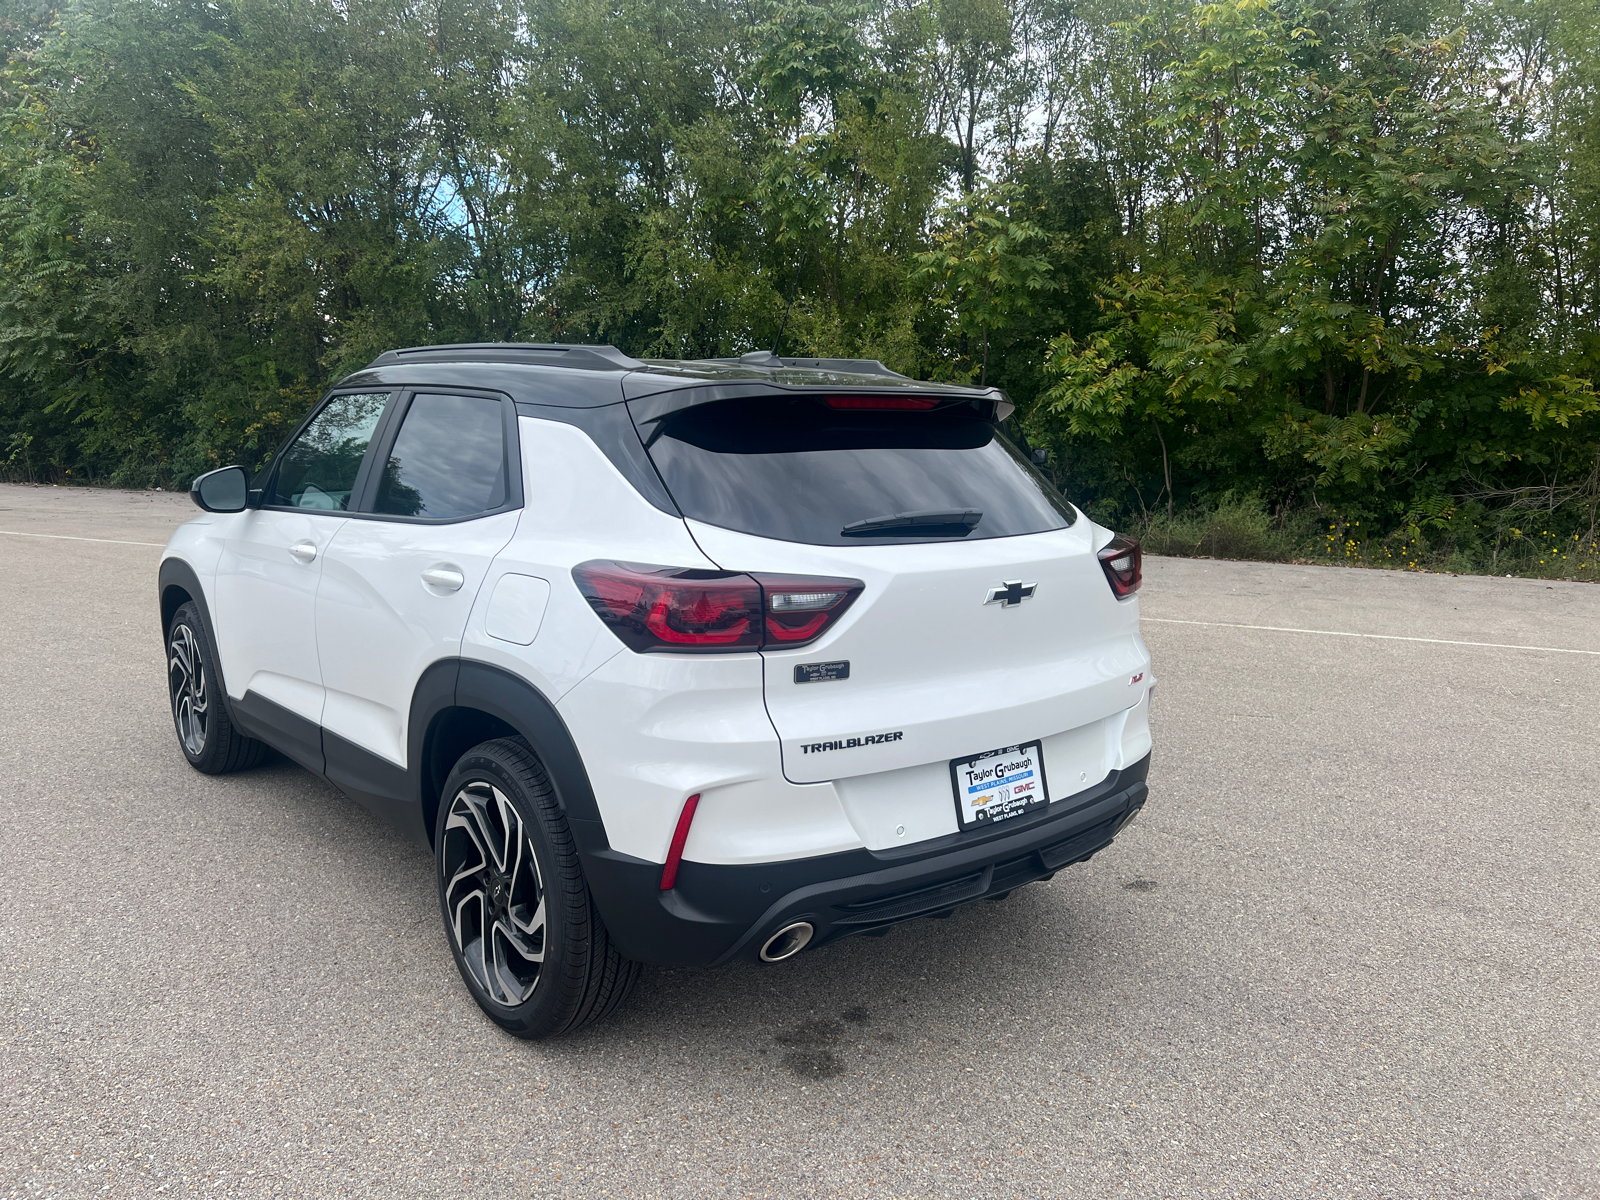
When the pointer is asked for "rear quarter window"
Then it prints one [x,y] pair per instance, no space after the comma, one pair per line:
[795,469]
[448,461]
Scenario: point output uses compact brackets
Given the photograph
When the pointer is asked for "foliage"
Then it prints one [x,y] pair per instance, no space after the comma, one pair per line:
[981,269]
[1309,256]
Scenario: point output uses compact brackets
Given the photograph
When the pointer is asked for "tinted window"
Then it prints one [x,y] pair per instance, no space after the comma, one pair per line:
[319,467]
[800,471]
[449,460]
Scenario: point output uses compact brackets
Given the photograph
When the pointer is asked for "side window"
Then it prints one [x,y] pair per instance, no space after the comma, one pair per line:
[319,468]
[448,461]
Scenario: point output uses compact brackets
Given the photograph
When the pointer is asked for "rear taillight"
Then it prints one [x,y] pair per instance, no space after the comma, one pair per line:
[676,609]
[673,608]
[903,403]
[800,607]
[1124,565]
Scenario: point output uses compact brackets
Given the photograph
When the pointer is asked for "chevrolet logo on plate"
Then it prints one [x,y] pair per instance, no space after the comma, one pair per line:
[1011,592]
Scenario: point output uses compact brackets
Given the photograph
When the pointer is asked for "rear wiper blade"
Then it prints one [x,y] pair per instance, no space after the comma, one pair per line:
[947,522]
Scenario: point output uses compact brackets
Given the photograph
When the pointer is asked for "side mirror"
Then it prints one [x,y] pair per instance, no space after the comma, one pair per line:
[225,490]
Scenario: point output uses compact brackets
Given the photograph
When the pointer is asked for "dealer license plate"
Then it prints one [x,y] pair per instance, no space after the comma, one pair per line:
[999,784]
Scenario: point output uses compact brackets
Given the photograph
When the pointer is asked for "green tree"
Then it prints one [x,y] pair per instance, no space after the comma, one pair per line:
[985,268]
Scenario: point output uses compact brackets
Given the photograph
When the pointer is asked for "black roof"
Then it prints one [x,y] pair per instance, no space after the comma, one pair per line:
[579,376]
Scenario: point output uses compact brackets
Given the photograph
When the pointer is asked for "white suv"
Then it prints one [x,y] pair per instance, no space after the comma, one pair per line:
[669,662]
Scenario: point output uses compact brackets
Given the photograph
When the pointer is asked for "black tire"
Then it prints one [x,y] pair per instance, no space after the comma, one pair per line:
[206,734]
[521,924]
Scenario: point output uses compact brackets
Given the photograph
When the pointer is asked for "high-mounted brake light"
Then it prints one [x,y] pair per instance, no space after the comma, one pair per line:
[675,609]
[911,403]
[1123,563]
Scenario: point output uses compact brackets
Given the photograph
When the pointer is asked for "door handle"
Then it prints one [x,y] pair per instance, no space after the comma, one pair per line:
[303,551]
[444,578]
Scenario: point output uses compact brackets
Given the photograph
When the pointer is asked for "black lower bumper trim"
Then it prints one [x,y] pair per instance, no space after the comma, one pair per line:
[716,913]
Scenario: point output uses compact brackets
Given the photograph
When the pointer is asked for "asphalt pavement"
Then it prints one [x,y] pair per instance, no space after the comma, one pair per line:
[1349,949]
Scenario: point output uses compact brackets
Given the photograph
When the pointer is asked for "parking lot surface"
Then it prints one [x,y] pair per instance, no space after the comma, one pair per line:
[1349,948]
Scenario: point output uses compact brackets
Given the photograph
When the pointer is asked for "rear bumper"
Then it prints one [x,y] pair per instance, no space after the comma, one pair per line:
[717,913]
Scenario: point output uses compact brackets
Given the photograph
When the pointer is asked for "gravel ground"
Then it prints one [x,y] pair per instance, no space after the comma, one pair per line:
[1350,948]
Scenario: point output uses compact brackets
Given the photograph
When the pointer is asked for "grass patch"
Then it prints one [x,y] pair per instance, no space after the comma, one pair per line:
[1466,542]
[1233,528]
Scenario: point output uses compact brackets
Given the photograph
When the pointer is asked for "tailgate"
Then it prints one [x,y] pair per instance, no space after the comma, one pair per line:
[936,671]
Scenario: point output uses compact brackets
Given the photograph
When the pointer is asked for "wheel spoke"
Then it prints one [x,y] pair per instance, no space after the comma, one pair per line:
[457,822]
[467,944]
[473,807]
[188,727]
[470,871]
[465,816]
[510,979]
[533,924]
[180,654]
[197,688]
[528,951]
[511,823]
[460,905]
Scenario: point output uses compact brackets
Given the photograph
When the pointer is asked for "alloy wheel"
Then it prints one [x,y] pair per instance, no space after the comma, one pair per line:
[187,680]
[494,893]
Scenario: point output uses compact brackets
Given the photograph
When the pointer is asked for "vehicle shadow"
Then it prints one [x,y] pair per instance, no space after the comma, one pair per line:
[930,989]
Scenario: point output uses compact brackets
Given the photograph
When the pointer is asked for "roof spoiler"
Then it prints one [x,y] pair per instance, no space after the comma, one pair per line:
[854,366]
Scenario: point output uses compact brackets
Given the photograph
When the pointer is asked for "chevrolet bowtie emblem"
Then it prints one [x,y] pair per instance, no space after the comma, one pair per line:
[1013,591]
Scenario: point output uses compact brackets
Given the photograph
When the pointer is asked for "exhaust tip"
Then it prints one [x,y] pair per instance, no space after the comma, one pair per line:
[787,942]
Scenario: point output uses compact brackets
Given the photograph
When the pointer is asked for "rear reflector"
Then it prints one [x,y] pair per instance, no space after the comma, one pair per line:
[1123,562]
[680,835]
[675,609]
[913,403]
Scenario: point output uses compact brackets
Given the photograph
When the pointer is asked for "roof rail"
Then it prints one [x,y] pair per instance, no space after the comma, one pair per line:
[544,354]
[854,366]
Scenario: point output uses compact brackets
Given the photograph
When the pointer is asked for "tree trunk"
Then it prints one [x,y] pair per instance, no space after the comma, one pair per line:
[1166,465]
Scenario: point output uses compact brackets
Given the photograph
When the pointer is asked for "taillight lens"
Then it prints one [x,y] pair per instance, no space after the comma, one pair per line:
[677,609]
[800,607]
[673,608]
[1123,562]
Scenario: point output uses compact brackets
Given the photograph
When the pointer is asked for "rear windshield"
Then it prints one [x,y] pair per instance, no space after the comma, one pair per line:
[799,471]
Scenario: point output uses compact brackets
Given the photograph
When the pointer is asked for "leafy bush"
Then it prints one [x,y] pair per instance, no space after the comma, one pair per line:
[1235,527]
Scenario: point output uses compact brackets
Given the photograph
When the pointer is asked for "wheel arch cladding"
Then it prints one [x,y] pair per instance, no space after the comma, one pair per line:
[450,734]
[177,585]
[461,703]
[173,597]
